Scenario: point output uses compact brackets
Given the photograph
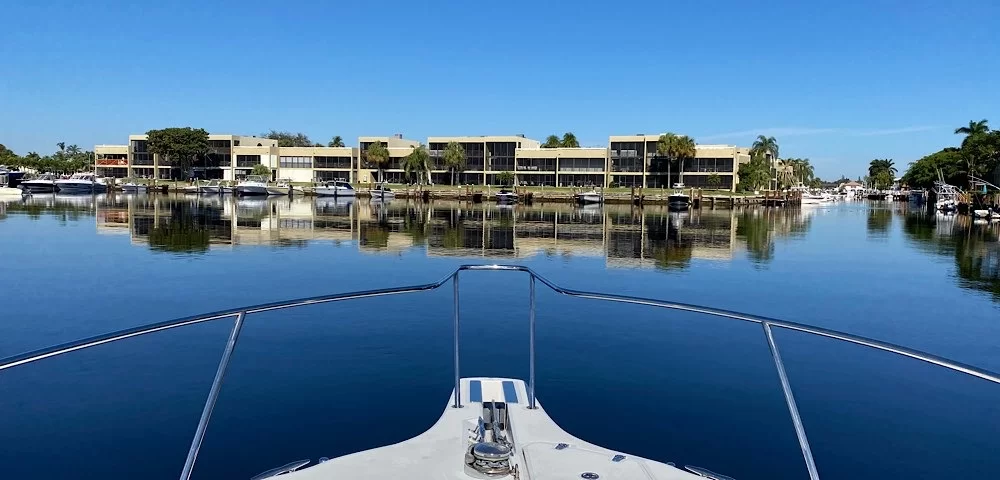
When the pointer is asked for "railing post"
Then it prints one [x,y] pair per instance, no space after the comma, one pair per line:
[458,377]
[793,410]
[213,396]
[531,343]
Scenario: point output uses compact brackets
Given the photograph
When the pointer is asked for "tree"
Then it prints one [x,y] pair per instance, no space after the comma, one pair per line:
[768,148]
[981,152]
[289,139]
[505,178]
[378,154]
[454,159]
[714,180]
[755,173]
[974,128]
[882,172]
[569,140]
[417,164]
[178,145]
[552,141]
[674,148]
[262,170]
[336,141]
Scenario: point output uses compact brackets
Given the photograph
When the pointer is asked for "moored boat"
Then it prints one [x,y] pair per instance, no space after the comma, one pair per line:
[284,187]
[214,187]
[132,186]
[44,183]
[335,188]
[506,195]
[587,197]
[382,192]
[678,201]
[81,183]
[252,185]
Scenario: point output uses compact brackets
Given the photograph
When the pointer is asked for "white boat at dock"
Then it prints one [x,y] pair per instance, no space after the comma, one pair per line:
[589,197]
[506,195]
[678,201]
[252,185]
[214,187]
[129,185]
[81,183]
[335,188]
[382,192]
[284,187]
[44,183]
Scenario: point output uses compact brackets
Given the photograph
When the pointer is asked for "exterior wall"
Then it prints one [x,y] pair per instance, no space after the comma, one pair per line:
[631,163]
[625,162]
[562,166]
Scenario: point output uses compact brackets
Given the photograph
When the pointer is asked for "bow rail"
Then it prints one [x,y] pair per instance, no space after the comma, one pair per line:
[239,314]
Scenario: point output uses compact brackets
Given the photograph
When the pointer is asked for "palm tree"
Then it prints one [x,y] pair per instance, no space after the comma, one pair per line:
[974,128]
[73,150]
[336,142]
[454,159]
[417,164]
[675,147]
[378,154]
[768,147]
[552,141]
[62,146]
[569,140]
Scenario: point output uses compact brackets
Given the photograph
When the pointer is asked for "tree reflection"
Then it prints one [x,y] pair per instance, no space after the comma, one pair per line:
[184,231]
[974,246]
[754,228]
[879,221]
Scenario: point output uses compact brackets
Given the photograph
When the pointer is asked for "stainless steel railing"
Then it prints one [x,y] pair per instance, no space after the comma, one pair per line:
[767,324]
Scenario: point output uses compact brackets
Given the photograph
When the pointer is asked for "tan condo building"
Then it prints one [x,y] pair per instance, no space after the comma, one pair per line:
[627,161]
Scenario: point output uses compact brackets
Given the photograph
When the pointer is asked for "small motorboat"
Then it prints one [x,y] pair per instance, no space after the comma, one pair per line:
[382,192]
[284,187]
[679,201]
[252,185]
[193,189]
[81,183]
[334,189]
[45,183]
[506,195]
[588,197]
[214,187]
[132,186]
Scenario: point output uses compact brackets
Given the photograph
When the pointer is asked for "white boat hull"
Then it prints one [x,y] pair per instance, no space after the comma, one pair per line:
[501,198]
[133,188]
[383,195]
[80,187]
[334,192]
[588,198]
[251,190]
[7,191]
[215,190]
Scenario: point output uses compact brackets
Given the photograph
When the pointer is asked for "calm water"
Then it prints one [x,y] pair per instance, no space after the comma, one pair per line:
[338,378]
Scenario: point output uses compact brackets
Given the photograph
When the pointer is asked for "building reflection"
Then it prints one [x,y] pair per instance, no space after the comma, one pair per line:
[623,235]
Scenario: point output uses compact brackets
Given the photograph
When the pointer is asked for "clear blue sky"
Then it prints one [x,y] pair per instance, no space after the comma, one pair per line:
[840,83]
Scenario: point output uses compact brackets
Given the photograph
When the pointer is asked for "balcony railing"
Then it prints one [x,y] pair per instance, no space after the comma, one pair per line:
[768,325]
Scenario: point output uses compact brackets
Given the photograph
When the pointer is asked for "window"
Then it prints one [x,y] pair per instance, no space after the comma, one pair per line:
[247,160]
[333,162]
[295,162]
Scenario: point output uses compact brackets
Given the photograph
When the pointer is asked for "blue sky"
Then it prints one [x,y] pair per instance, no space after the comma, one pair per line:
[838,82]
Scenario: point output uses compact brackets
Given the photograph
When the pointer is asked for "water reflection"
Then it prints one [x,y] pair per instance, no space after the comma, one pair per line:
[625,236]
[974,245]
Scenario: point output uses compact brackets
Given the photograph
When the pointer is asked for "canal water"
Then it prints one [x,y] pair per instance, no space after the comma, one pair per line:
[338,378]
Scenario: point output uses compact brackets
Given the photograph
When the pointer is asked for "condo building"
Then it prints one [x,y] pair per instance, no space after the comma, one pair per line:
[627,161]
